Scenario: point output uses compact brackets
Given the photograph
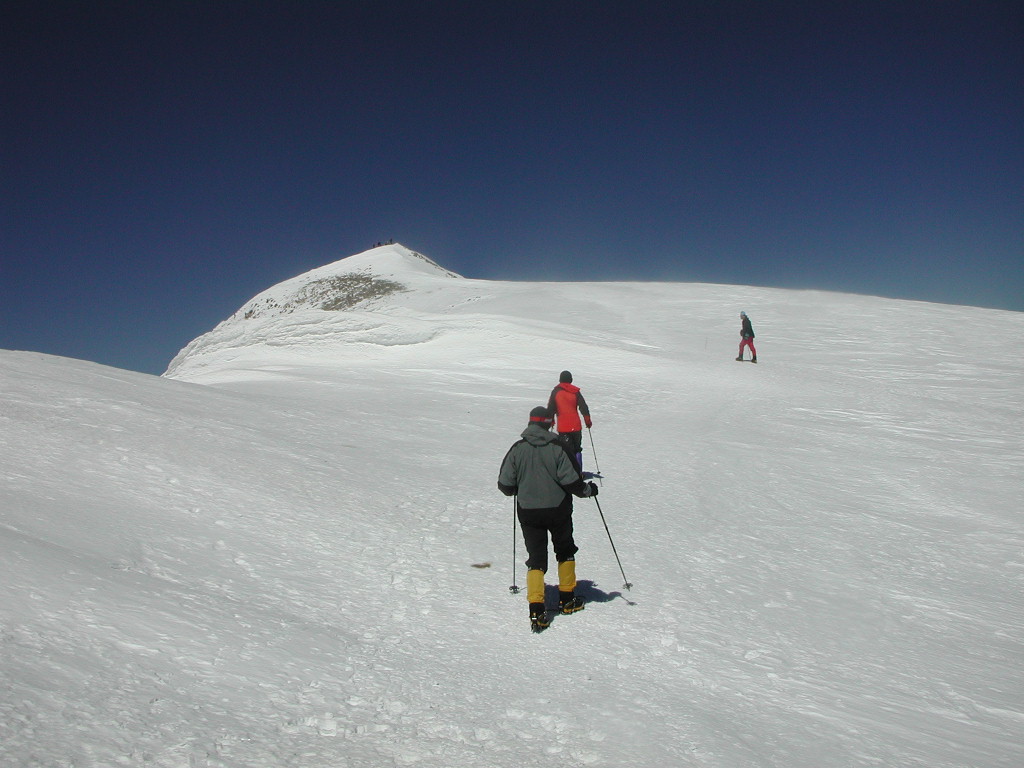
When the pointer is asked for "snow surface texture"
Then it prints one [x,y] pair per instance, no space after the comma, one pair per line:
[266,557]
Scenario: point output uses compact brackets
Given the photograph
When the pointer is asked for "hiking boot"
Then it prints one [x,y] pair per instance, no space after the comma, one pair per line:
[539,620]
[570,603]
[753,359]
[740,358]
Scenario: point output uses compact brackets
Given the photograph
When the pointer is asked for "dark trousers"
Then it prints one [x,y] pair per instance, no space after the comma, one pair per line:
[574,439]
[537,523]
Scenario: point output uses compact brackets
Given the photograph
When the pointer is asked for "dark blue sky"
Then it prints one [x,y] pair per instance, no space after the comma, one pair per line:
[162,162]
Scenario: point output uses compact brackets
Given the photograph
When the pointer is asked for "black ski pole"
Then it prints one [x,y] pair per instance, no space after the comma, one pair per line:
[514,589]
[593,450]
[626,584]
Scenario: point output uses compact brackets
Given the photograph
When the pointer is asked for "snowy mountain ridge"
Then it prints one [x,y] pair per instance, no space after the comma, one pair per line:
[298,310]
[289,551]
[347,283]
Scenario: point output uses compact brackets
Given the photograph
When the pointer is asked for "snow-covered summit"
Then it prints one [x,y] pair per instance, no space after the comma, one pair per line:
[304,311]
[347,283]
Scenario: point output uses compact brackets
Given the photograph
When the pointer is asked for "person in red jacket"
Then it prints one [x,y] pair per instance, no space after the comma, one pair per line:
[747,337]
[567,403]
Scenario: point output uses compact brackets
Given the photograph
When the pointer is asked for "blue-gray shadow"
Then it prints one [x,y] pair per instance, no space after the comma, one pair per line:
[588,590]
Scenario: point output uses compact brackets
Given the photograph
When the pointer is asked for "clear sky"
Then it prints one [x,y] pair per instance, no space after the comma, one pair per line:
[162,162]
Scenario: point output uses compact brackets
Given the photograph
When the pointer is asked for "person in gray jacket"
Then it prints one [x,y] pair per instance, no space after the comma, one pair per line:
[543,475]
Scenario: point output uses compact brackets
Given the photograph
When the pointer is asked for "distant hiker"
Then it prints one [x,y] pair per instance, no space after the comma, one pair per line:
[747,336]
[539,471]
[566,399]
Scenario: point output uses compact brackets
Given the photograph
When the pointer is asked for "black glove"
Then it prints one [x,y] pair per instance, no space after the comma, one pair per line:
[591,490]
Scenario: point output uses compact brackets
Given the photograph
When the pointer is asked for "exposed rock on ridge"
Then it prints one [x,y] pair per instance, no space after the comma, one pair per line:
[350,300]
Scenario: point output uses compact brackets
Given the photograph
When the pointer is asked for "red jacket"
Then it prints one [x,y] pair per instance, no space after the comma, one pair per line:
[564,401]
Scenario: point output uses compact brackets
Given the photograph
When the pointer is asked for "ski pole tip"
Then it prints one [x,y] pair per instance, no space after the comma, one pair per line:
[514,589]
[628,586]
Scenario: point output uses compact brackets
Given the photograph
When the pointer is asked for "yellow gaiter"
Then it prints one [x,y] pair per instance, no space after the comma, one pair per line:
[535,585]
[567,576]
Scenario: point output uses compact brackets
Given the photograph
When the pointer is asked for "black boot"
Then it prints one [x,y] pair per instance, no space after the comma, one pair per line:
[569,603]
[539,620]
[740,358]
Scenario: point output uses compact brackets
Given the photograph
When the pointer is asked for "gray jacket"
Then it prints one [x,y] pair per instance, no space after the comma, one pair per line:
[538,468]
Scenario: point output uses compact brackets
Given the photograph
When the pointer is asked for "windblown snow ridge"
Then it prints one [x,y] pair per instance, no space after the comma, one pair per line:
[326,305]
[331,294]
[345,284]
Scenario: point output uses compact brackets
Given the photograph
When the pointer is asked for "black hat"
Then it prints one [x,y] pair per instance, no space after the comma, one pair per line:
[541,415]
[565,377]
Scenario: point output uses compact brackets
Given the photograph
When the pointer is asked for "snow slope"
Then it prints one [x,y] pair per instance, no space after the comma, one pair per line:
[266,557]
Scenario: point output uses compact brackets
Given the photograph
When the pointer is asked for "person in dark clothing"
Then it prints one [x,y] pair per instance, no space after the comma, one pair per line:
[541,473]
[747,337]
[567,404]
